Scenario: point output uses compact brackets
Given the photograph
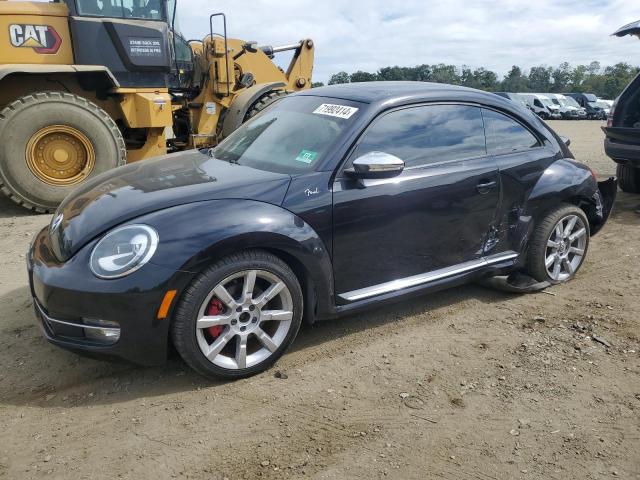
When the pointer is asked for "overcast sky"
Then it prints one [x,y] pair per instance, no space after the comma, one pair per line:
[366,35]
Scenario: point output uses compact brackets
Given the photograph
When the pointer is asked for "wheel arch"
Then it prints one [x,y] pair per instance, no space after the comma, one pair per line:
[240,106]
[313,274]
[96,78]
[217,234]
[564,181]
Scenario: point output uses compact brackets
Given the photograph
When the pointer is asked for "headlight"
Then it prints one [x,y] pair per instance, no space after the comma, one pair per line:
[123,251]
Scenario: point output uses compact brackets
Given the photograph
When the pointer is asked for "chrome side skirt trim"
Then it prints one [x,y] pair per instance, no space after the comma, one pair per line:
[428,277]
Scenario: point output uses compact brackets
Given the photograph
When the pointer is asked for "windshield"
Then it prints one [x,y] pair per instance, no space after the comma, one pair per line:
[570,102]
[546,102]
[141,9]
[292,136]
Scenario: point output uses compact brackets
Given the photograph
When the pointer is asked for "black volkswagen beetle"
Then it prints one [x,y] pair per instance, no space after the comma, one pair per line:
[329,201]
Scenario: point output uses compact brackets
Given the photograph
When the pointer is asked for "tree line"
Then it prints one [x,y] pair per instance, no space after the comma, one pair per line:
[606,82]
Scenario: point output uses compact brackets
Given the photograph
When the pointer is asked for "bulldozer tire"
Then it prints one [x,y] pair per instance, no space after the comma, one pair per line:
[50,142]
[263,102]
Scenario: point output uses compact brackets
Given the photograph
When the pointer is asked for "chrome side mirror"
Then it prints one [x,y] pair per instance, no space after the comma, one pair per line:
[376,165]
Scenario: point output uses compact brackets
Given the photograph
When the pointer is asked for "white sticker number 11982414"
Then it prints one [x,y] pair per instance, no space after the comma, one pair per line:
[339,111]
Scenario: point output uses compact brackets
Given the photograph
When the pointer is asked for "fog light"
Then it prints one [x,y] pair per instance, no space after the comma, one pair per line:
[104,331]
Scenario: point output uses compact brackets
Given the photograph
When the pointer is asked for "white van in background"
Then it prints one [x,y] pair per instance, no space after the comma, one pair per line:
[569,108]
[542,105]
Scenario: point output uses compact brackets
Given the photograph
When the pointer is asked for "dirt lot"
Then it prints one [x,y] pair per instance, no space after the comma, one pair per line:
[464,384]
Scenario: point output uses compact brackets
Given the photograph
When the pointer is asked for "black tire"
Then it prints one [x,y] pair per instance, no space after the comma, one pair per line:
[24,117]
[263,102]
[628,178]
[183,330]
[538,243]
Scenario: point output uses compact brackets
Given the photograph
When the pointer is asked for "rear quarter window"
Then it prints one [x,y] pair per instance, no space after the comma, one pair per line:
[505,135]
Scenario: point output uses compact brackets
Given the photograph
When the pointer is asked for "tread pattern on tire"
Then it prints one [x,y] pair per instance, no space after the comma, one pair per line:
[264,101]
[7,112]
[189,302]
[628,178]
[538,243]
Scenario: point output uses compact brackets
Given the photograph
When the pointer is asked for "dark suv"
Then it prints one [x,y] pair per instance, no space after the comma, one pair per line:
[622,142]
[589,102]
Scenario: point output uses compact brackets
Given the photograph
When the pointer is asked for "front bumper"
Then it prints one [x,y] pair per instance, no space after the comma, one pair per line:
[73,306]
[604,199]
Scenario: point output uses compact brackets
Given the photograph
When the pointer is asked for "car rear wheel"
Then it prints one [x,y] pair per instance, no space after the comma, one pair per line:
[559,245]
[239,316]
[628,178]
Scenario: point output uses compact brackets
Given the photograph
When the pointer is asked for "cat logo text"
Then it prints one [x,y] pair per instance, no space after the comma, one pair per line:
[42,38]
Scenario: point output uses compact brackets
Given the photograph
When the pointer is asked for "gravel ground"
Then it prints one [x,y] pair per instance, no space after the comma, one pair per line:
[464,384]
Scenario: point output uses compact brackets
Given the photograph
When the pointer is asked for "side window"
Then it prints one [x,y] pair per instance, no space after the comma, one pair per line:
[538,103]
[183,50]
[427,134]
[505,135]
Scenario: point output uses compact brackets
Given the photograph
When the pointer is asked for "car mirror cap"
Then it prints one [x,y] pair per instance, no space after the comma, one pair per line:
[376,165]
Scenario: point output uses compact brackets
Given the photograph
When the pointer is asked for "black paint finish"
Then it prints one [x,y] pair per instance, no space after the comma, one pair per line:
[338,234]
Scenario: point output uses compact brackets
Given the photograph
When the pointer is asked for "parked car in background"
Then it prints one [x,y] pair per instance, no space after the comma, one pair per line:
[569,108]
[328,202]
[542,106]
[622,141]
[590,103]
[605,106]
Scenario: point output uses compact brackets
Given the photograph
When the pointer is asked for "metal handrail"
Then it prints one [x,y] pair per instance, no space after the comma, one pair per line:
[226,47]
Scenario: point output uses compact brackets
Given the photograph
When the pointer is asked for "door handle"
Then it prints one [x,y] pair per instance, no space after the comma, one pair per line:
[486,187]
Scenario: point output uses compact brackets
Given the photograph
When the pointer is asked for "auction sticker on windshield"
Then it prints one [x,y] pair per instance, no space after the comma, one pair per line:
[307,156]
[339,111]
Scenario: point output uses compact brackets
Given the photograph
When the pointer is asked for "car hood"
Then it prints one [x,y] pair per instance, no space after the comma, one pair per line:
[139,188]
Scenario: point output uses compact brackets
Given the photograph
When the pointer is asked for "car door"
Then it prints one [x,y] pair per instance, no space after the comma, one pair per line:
[522,157]
[435,214]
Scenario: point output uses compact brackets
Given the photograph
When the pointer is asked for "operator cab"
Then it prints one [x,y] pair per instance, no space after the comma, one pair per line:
[136,39]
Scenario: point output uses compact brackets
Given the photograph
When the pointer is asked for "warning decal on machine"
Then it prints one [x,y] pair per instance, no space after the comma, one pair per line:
[339,111]
[145,47]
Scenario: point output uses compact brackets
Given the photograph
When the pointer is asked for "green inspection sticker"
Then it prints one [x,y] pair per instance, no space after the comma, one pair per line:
[307,156]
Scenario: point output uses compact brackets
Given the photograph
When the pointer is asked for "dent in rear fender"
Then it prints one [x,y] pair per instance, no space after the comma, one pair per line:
[562,181]
[195,235]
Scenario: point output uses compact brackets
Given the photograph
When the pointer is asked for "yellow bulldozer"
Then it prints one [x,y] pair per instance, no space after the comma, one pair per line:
[88,85]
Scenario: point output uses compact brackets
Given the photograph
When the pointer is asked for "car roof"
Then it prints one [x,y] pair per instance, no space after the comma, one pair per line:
[388,92]
[384,95]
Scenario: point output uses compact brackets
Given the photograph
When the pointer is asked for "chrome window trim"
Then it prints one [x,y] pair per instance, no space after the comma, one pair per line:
[424,278]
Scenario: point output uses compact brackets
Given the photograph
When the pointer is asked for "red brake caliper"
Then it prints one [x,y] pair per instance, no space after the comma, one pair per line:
[215,308]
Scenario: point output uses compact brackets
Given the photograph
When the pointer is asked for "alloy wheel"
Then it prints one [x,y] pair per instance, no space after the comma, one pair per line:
[566,248]
[244,319]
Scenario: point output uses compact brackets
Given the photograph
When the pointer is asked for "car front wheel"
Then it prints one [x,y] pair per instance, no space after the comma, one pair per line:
[239,316]
[559,245]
